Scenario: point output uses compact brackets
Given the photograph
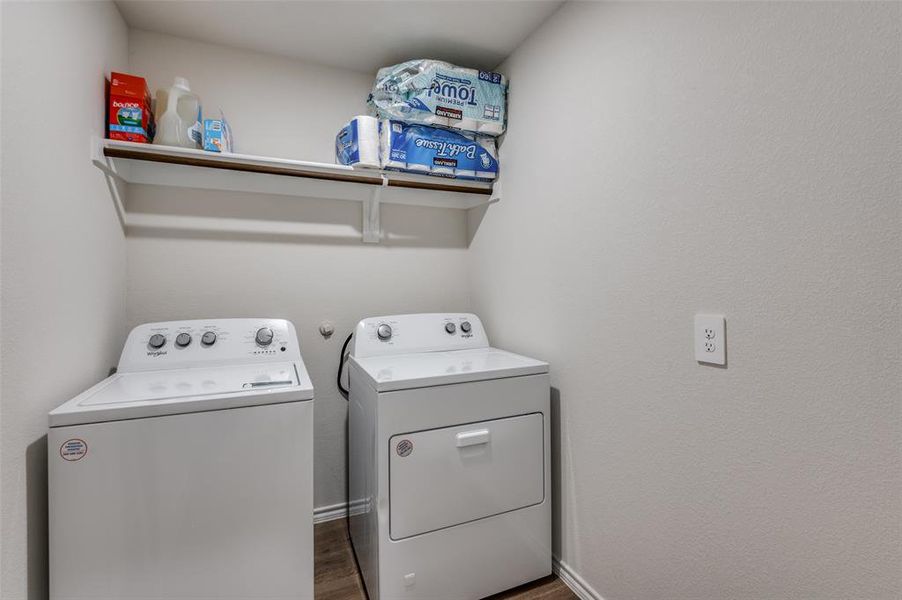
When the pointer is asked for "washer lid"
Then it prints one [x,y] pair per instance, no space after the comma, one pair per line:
[406,371]
[176,391]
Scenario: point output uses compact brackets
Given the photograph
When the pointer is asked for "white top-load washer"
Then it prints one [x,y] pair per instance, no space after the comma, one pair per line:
[449,459]
[189,472]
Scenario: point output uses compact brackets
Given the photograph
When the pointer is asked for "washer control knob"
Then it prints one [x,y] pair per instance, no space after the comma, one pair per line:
[182,340]
[208,338]
[157,340]
[465,327]
[264,336]
[450,327]
[384,332]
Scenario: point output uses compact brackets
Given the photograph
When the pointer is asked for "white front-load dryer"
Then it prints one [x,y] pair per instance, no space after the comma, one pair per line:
[448,458]
[188,474]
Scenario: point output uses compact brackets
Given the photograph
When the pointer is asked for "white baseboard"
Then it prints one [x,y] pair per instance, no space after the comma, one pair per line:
[572,580]
[321,514]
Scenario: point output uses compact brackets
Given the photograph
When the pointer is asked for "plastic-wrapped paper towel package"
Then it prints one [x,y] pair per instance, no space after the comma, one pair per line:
[432,92]
[393,145]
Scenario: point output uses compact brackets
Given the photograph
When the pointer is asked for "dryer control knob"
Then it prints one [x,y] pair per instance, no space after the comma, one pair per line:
[157,341]
[450,327]
[465,327]
[384,332]
[182,340]
[208,338]
[264,336]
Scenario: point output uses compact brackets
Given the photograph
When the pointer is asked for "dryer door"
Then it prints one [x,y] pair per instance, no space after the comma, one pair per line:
[445,477]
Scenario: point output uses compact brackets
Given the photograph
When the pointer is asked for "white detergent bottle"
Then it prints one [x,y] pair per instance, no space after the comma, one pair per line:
[179,123]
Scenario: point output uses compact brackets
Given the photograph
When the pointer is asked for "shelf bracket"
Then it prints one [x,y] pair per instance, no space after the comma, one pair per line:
[372,226]
[100,161]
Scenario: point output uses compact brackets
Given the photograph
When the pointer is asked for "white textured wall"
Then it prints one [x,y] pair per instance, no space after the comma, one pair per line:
[282,107]
[63,252]
[276,106]
[743,158]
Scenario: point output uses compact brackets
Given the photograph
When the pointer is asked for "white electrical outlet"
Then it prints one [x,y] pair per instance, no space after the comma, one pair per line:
[710,339]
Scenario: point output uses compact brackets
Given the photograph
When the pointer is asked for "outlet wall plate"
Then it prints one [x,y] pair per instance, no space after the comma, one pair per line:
[710,339]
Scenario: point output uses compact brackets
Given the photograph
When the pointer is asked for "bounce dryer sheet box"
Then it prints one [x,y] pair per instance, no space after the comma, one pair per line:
[423,149]
[357,143]
[130,117]
[431,92]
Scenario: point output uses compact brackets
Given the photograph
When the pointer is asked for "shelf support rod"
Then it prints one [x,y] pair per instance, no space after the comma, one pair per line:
[372,226]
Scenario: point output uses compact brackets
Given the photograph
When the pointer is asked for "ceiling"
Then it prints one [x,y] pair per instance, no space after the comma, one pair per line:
[357,35]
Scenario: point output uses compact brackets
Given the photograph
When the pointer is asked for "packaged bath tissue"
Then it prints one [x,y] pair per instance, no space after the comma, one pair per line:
[423,149]
[432,92]
[357,143]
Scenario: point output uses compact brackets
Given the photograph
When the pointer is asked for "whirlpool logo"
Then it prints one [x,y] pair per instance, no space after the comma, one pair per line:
[404,448]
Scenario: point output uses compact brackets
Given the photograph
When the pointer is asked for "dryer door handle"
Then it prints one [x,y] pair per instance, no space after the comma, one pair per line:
[474,437]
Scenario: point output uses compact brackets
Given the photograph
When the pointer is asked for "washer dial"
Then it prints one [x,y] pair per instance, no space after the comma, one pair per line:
[384,332]
[157,341]
[264,336]
[182,339]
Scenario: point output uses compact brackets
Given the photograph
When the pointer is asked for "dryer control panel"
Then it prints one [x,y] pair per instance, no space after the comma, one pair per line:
[427,332]
[201,342]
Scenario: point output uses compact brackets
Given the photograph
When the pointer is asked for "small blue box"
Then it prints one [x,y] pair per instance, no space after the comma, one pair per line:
[217,135]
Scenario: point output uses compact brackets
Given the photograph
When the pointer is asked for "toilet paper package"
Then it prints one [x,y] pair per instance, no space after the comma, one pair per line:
[357,143]
[423,149]
[432,92]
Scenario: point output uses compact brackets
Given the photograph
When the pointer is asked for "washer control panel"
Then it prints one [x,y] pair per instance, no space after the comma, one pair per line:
[184,344]
[429,332]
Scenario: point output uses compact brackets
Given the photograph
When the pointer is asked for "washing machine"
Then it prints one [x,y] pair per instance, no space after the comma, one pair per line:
[189,472]
[449,463]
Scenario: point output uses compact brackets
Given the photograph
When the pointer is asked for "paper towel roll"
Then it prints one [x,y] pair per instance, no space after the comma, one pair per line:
[467,124]
[437,121]
[491,128]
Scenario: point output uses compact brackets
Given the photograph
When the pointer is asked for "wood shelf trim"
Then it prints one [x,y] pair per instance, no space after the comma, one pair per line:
[223,162]
[192,161]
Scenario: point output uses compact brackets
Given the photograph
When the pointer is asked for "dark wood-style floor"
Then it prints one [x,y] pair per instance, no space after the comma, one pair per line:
[336,576]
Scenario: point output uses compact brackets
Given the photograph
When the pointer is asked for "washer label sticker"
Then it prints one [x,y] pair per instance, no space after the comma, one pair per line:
[404,448]
[74,449]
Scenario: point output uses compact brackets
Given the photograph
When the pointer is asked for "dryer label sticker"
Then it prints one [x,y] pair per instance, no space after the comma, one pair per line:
[74,449]
[404,448]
